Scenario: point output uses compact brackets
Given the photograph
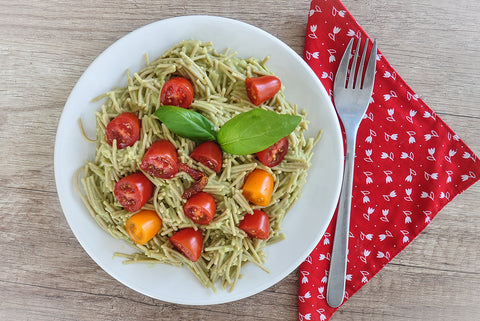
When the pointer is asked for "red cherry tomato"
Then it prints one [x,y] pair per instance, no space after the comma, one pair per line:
[177,91]
[125,128]
[209,154]
[273,155]
[256,225]
[261,89]
[200,208]
[189,241]
[133,191]
[160,160]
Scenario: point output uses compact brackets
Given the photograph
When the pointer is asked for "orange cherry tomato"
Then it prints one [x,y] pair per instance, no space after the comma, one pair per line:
[177,91]
[143,226]
[188,241]
[258,187]
[256,225]
[261,89]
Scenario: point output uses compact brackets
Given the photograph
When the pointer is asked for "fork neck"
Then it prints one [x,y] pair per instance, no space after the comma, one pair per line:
[350,125]
[350,141]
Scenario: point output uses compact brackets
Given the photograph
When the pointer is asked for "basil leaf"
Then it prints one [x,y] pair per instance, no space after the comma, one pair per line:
[187,123]
[255,130]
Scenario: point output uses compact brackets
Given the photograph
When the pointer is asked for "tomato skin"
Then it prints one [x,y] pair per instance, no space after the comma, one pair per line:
[133,191]
[200,208]
[258,187]
[189,241]
[273,155]
[161,160]
[256,225]
[209,154]
[177,91]
[143,226]
[195,188]
[125,128]
[260,89]
[194,173]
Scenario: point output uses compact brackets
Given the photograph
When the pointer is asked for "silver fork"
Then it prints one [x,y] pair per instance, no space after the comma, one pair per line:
[351,102]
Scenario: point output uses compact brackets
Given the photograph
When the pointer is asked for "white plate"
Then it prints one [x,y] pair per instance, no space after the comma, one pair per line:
[303,226]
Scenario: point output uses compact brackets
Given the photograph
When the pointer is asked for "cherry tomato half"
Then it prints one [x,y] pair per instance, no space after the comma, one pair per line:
[189,241]
[143,226]
[177,91]
[258,187]
[273,155]
[209,154]
[256,225]
[133,191]
[160,160]
[260,89]
[125,128]
[200,208]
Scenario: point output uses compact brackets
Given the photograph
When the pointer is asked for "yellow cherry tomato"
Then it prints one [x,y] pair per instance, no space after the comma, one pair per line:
[143,226]
[258,187]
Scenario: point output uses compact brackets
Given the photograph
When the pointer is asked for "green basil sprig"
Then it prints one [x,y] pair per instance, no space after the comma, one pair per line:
[244,134]
[187,123]
[255,130]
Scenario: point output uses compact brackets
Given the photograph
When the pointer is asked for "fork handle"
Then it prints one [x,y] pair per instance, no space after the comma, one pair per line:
[338,260]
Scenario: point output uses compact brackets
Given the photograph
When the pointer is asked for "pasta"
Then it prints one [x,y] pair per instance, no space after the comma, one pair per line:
[219,95]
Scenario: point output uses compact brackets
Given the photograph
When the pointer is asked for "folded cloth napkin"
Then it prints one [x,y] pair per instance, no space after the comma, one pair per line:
[409,164]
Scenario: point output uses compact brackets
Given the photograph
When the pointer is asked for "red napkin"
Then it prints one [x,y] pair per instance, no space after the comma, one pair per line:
[409,164]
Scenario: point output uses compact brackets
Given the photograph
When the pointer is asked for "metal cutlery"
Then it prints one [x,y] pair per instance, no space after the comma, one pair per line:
[351,94]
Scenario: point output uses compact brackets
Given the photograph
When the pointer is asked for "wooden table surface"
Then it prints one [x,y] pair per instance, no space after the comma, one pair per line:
[46,45]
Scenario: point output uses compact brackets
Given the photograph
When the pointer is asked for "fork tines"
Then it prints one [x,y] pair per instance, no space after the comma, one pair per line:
[355,73]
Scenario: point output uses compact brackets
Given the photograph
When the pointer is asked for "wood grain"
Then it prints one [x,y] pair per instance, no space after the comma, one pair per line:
[44,48]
